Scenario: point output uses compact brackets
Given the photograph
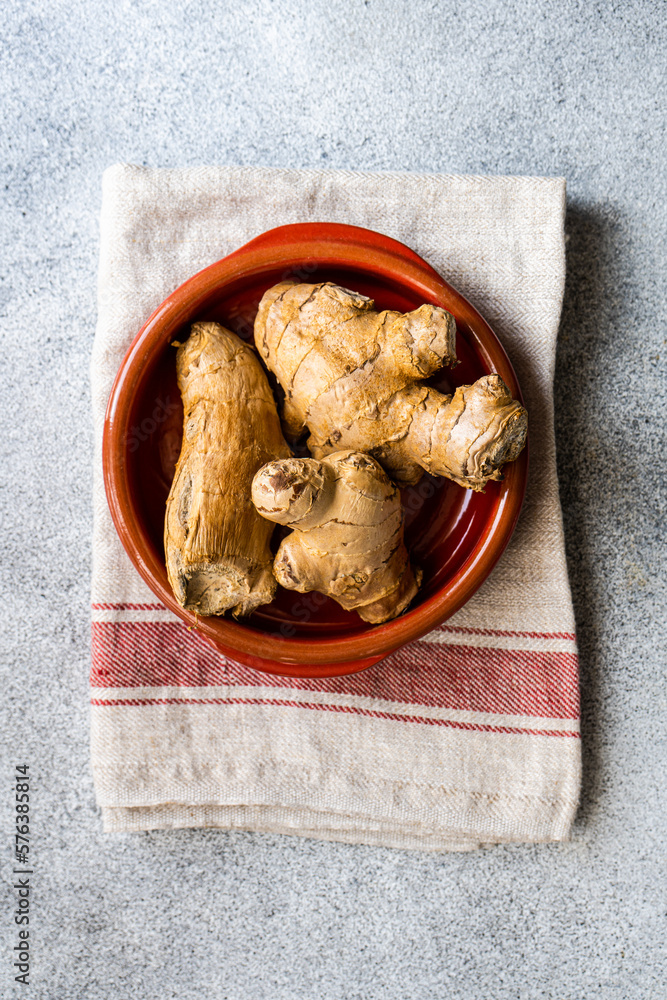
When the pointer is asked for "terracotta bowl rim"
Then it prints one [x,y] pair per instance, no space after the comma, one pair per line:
[329,245]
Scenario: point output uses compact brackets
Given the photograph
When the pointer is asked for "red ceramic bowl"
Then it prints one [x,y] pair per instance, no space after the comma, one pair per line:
[455,535]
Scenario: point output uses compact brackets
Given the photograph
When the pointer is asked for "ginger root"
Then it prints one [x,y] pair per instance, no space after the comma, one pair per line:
[354,377]
[216,545]
[347,540]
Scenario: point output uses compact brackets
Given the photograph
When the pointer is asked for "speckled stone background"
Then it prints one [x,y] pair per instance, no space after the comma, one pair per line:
[528,87]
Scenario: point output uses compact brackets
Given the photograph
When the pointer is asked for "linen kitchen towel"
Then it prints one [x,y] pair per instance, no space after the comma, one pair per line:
[467,737]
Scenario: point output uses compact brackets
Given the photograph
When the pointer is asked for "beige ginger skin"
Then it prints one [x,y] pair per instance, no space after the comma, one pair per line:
[216,544]
[347,540]
[354,378]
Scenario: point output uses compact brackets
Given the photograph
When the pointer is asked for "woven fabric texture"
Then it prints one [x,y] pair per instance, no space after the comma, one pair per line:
[468,737]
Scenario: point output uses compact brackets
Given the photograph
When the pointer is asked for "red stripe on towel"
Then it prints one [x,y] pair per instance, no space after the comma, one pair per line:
[465,678]
[128,607]
[348,709]
[459,630]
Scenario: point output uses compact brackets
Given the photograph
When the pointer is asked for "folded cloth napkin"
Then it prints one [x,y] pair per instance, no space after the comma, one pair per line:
[467,737]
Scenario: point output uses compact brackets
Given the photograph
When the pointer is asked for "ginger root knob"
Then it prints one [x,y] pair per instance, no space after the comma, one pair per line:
[354,377]
[347,538]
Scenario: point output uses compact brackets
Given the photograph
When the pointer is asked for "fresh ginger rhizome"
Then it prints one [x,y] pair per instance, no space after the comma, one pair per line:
[354,379]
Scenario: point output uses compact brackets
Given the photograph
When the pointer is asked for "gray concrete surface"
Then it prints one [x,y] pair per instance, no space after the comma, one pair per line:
[530,87]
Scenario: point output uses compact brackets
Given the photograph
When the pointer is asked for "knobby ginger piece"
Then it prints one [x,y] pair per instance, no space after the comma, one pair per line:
[216,544]
[347,540]
[354,377]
